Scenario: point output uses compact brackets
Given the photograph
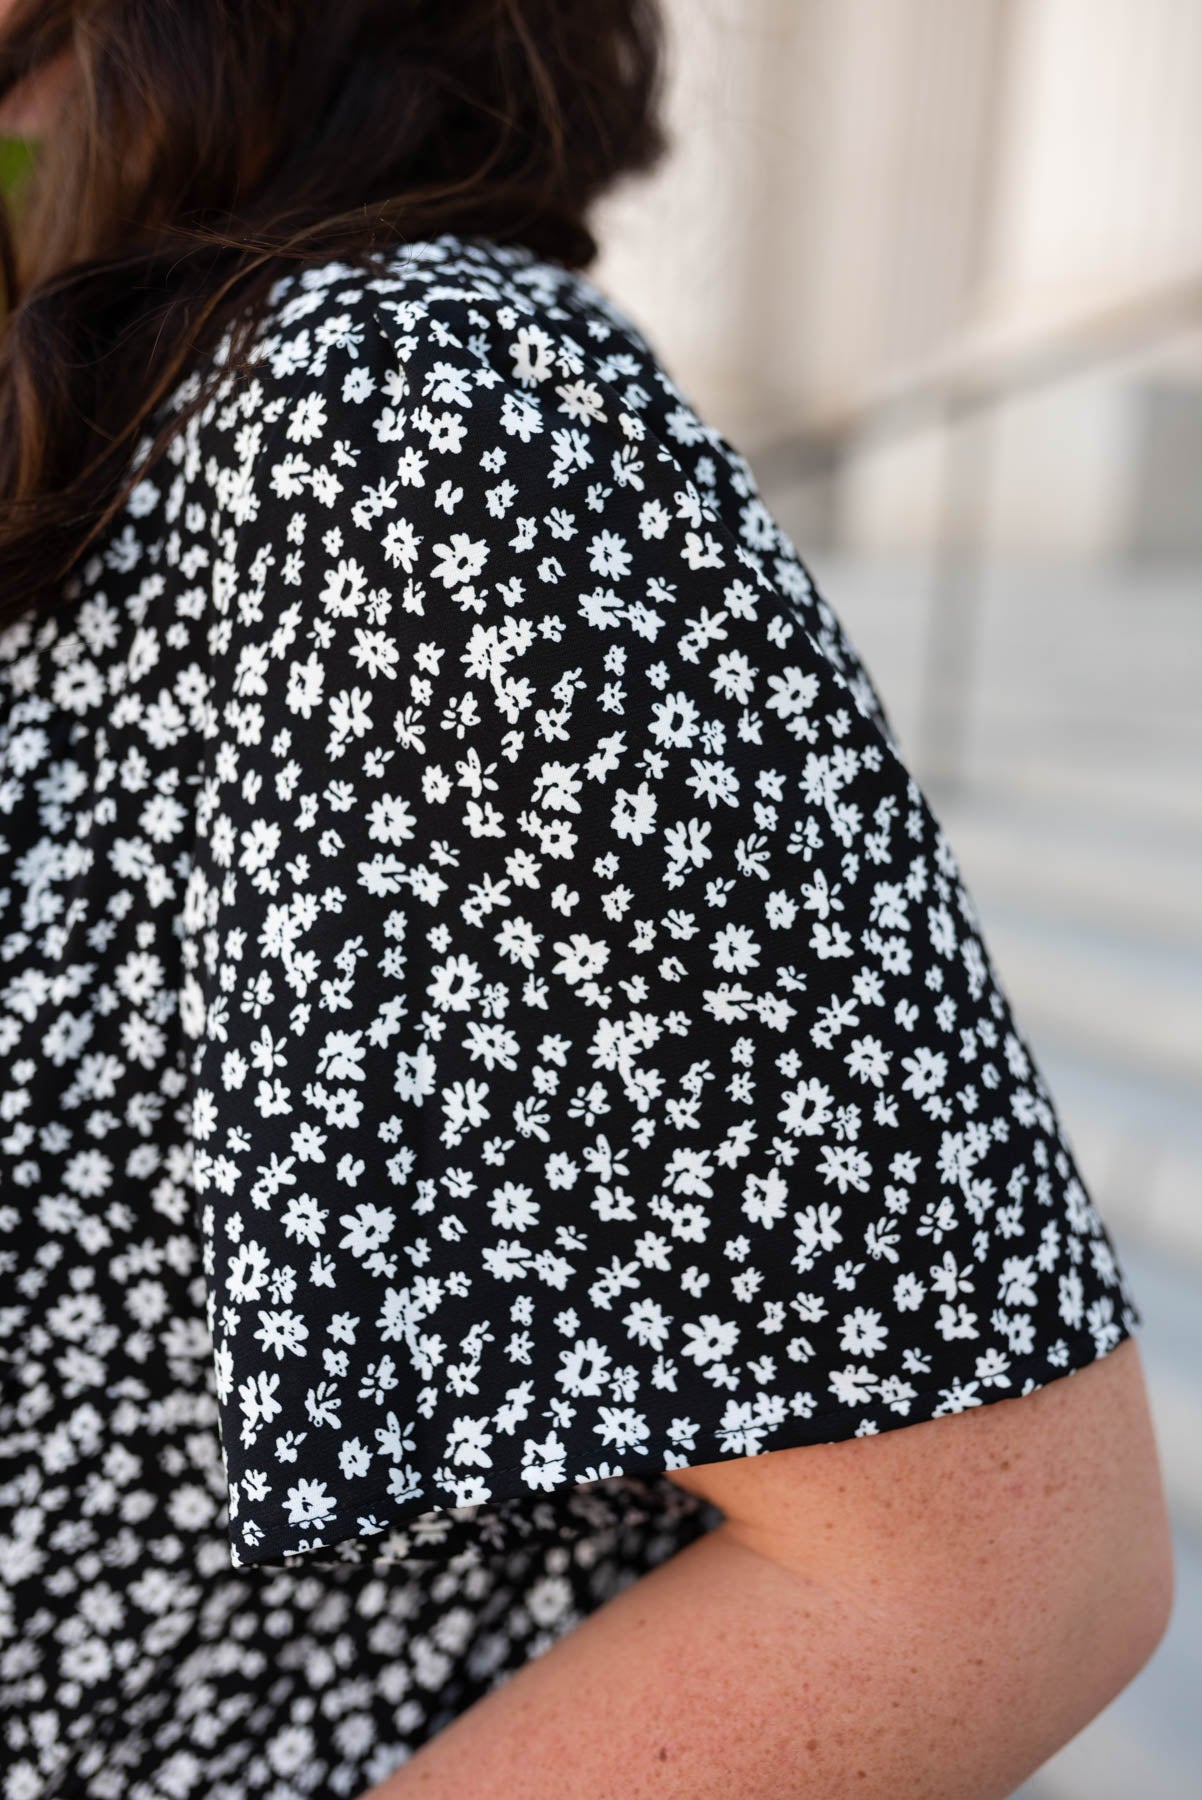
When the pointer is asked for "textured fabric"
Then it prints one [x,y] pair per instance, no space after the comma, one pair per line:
[488,1018]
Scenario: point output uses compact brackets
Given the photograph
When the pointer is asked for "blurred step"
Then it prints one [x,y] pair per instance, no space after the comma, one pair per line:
[1070,869]
[1126,1001]
[1148,1190]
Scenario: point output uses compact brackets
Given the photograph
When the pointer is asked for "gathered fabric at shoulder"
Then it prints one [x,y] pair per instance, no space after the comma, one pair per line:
[597,1066]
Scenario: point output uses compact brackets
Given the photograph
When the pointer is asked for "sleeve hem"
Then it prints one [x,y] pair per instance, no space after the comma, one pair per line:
[739,1433]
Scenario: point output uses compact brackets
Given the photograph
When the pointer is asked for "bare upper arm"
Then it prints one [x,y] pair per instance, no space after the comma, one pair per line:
[1041,1516]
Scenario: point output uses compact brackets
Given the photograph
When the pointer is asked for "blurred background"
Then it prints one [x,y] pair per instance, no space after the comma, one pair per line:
[935,267]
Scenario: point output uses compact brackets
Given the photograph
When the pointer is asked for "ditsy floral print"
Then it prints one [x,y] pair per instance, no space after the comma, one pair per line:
[487,1018]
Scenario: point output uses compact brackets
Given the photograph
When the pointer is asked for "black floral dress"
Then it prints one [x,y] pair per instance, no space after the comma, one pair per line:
[487,1018]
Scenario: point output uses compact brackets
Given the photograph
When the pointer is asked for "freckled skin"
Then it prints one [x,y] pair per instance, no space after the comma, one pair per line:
[809,1649]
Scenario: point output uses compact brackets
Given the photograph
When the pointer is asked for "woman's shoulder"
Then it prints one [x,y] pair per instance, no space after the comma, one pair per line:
[457,391]
[459,344]
[499,310]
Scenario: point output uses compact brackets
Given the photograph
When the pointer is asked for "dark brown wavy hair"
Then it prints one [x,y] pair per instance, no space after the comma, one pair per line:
[203,145]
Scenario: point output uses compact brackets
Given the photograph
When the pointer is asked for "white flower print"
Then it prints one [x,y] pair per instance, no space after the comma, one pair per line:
[487,1019]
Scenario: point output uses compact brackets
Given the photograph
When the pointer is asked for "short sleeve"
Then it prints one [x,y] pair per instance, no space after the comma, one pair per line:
[597,1064]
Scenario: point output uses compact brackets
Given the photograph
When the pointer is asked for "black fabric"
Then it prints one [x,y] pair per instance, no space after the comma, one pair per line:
[489,1019]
